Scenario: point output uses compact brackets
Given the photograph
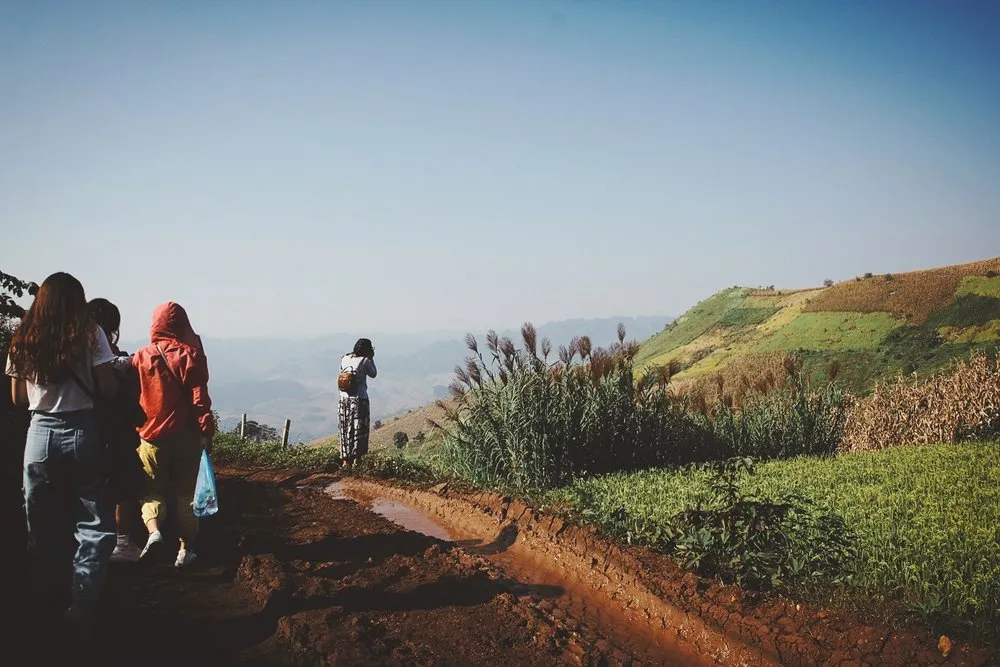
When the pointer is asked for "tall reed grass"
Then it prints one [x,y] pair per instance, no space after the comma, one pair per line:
[526,419]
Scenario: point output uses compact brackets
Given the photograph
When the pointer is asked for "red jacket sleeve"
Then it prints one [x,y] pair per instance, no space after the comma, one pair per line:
[195,378]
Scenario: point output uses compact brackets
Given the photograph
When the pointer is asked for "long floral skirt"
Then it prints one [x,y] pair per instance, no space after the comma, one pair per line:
[355,418]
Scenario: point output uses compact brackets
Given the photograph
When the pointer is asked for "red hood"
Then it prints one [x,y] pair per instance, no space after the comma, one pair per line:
[170,322]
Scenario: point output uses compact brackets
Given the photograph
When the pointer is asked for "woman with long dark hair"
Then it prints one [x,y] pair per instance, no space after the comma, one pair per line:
[60,361]
[355,408]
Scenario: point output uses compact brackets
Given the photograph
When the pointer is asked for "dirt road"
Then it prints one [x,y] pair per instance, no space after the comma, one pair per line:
[292,574]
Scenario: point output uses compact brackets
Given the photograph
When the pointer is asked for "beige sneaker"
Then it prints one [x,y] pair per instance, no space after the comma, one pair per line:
[125,551]
[185,557]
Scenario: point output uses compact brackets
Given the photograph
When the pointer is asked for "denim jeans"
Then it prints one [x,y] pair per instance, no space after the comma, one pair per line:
[65,470]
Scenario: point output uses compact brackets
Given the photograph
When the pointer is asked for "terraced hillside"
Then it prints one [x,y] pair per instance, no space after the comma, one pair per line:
[870,327]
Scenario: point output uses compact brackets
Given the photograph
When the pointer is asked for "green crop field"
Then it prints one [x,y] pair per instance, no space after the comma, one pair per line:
[832,331]
[927,518]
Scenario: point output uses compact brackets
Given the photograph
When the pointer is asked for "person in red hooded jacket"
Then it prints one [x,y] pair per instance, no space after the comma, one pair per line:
[173,380]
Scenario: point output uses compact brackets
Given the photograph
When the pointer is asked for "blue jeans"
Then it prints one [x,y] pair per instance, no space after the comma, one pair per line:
[65,470]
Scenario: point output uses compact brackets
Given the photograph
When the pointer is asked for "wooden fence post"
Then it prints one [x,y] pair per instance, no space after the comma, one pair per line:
[284,433]
[243,427]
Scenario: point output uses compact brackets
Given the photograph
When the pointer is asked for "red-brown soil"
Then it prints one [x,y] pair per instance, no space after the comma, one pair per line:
[292,575]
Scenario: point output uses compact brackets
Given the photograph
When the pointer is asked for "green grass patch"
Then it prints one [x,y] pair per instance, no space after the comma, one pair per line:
[926,519]
[385,465]
[979,286]
[228,449]
[691,324]
[969,310]
[738,317]
[831,331]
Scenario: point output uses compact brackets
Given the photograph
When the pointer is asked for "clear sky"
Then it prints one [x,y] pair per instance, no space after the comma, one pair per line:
[303,167]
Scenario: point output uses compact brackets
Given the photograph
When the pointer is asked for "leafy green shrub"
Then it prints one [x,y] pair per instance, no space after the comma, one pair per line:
[756,543]
[399,438]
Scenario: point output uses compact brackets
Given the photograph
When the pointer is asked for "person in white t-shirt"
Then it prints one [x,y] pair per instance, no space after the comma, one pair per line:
[60,361]
[354,416]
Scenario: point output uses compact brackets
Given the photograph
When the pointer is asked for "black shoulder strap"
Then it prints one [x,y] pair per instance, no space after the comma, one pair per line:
[82,385]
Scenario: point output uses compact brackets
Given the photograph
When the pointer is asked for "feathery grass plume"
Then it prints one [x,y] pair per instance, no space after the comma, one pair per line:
[493,341]
[470,342]
[463,376]
[457,390]
[546,348]
[530,337]
[621,332]
[664,374]
[585,346]
[450,411]
[473,370]
[565,356]
[540,426]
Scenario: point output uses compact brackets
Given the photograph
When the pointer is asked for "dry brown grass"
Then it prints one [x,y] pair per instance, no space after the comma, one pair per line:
[411,423]
[746,374]
[912,296]
[957,405]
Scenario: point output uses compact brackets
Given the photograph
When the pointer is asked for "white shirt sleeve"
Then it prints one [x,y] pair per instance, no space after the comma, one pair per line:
[102,351]
[9,368]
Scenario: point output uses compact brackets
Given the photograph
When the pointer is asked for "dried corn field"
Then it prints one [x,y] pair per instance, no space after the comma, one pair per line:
[912,296]
[961,404]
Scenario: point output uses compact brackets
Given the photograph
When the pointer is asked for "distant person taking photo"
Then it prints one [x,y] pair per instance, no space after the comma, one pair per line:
[355,409]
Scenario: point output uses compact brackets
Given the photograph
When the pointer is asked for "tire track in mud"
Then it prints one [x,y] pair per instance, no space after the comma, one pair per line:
[343,586]
[644,599]
[592,588]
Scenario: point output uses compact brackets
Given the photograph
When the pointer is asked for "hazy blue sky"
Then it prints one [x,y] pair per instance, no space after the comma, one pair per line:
[319,166]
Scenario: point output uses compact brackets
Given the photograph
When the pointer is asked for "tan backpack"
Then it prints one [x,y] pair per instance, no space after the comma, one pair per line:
[347,381]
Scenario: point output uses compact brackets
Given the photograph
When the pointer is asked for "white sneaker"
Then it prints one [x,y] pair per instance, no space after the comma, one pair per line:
[185,557]
[153,548]
[125,551]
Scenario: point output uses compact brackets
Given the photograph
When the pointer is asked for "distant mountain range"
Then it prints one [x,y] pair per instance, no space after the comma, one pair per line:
[274,379]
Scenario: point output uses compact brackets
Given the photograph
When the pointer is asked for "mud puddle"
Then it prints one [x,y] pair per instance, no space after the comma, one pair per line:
[399,514]
[532,575]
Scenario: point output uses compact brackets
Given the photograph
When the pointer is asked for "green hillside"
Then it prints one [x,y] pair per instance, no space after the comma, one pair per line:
[870,327]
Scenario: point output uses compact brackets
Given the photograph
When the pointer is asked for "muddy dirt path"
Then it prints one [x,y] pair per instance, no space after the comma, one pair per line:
[293,576]
[303,569]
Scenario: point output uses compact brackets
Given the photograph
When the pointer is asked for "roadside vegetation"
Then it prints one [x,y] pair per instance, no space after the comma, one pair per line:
[774,472]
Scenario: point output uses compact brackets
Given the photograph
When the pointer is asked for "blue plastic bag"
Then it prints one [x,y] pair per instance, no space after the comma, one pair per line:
[206,500]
